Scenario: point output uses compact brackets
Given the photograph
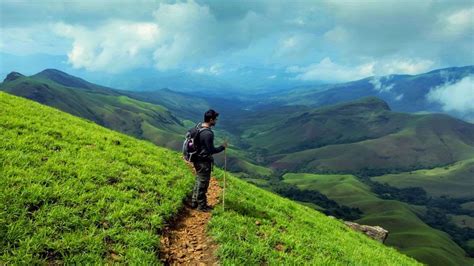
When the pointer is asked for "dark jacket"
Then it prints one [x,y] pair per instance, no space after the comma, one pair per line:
[206,145]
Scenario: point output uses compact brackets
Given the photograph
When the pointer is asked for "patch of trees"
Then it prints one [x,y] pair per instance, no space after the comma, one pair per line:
[438,219]
[437,212]
[413,195]
[330,206]
[418,196]
[451,205]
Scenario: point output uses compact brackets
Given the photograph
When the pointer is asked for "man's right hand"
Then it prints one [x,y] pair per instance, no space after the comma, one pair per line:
[225,144]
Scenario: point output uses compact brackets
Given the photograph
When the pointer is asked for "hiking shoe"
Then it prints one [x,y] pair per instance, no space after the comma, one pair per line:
[206,208]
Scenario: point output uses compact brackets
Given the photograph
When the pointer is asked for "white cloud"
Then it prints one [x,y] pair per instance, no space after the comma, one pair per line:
[357,36]
[326,70]
[31,40]
[179,32]
[179,35]
[112,47]
[295,46]
[399,97]
[458,97]
[379,84]
[336,35]
[403,66]
[188,30]
[215,70]
[457,23]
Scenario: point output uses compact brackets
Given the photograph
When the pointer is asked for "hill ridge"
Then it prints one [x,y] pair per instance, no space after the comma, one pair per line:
[105,106]
[13,76]
[66,79]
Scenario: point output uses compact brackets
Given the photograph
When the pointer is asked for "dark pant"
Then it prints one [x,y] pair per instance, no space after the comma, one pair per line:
[203,171]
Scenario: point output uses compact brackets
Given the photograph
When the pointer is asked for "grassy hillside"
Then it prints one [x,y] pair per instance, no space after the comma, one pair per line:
[184,105]
[456,180]
[77,193]
[105,106]
[408,233]
[353,137]
[300,130]
[74,192]
[258,227]
[404,142]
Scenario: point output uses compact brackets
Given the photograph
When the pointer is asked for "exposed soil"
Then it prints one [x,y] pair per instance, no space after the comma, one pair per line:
[185,240]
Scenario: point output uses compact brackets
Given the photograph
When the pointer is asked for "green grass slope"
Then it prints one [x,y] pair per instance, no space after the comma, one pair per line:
[260,228]
[184,105]
[358,136]
[74,192]
[426,141]
[456,180]
[105,106]
[368,118]
[408,233]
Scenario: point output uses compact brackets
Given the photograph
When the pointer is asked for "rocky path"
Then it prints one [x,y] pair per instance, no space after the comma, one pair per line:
[186,241]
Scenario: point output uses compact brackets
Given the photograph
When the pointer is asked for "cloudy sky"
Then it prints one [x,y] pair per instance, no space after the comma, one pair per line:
[329,41]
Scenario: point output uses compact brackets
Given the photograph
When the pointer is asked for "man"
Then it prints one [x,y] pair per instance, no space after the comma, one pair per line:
[204,161]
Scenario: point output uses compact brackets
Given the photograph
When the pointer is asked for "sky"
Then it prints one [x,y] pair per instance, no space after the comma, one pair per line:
[256,42]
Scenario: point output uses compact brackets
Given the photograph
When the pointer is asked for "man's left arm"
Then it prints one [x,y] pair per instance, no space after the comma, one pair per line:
[211,146]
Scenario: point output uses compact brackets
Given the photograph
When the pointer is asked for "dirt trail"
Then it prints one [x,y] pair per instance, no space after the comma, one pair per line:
[186,241]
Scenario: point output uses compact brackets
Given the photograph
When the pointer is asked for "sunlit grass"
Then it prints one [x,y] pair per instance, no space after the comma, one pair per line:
[74,192]
[258,227]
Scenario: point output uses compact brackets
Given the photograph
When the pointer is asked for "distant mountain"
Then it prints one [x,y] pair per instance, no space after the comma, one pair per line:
[12,76]
[182,104]
[362,135]
[105,106]
[404,93]
[67,80]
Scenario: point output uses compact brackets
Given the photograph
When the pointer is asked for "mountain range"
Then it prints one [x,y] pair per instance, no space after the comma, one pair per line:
[404,93]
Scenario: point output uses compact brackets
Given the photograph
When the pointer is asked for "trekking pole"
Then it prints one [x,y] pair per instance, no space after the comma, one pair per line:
[225,172]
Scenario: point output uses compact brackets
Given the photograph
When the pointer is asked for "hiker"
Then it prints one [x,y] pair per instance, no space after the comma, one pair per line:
[204,161]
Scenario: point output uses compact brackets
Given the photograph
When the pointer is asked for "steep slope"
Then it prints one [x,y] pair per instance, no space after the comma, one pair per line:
[184,105]
[105,106]
[77,193]
[257,227]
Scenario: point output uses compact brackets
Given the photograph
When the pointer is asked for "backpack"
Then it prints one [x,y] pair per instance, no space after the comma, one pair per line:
[191,145]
